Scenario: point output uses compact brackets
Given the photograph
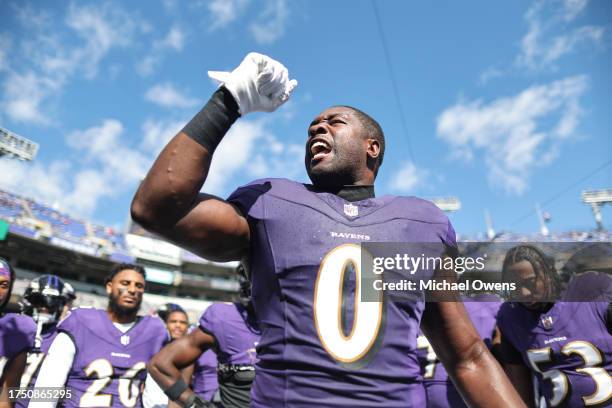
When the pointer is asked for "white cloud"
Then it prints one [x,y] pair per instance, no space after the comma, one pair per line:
[106,167]
[174,40]
[515,134]
[156,133]
[168,96]
[571,8]
[101,28]
[105,146]
[270,24]
[223,12]
[549,38]
[408,177]
[25,93]
[51,63]
[251,151]
[489,74]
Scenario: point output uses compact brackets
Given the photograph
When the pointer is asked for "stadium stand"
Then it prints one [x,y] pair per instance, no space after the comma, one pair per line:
[82,253]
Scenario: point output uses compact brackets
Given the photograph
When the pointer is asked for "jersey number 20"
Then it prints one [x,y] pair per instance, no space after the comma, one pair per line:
[128,389]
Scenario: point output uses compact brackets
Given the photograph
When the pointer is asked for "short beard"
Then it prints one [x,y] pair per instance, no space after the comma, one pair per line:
[122,311]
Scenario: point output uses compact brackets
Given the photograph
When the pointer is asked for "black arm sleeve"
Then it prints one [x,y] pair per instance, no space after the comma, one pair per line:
[214,120]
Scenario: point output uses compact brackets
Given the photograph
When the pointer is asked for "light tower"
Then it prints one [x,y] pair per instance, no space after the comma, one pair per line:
[16,146]
[597,199]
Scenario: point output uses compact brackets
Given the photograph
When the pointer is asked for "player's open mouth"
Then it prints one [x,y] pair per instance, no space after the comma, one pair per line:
[319,148]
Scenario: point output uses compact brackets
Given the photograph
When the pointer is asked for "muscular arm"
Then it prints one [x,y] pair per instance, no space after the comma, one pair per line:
[165,367]
[12,376]
[476,374]
[168,201]
[519,374]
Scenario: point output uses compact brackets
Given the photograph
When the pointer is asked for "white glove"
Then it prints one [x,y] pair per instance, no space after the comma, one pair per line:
[259,83]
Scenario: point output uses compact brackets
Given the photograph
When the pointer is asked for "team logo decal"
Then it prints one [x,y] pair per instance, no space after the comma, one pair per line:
[125,340]
[351,210]
[547,322]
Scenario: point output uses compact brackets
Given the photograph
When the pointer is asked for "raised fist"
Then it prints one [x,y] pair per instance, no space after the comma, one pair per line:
[259,83]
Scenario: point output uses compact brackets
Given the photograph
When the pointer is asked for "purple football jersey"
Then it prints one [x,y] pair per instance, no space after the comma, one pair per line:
[204,381]
[236,333]
[109,365]
[439,389]
[568,348]
[301,242]
[35,358]
[17,334]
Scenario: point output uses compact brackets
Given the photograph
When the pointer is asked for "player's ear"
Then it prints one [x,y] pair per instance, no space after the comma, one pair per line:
[109,288]
[373,148]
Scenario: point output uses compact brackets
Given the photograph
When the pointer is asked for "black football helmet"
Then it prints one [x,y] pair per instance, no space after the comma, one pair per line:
[48,294]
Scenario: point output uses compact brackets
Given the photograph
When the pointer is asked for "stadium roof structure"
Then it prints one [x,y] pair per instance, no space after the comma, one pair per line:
[17,146]
[596,199]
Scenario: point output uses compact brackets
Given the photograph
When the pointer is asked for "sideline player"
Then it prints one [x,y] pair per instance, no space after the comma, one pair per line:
[231,330]
[286,230]
[566,344]
[175,318]
[177,323]
[440,391]
[101,355]
[48,296]
[17,333]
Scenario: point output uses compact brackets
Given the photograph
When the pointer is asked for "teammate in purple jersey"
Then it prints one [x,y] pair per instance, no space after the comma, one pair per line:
[205,381]
[298,238]
[101,355]
[17,333]
[231,330]
[439,389]
[566,344]
[47,295]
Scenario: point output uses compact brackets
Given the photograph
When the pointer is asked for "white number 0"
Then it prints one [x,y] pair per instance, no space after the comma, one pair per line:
[328,307]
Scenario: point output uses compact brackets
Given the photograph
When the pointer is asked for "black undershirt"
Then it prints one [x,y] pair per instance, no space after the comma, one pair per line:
[350,192]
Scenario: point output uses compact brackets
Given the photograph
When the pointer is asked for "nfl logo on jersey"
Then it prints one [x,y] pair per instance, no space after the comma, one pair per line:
[351,210]
[547,322]
[125,340]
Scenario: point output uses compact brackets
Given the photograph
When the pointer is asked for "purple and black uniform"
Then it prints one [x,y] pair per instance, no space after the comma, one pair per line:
[204,381]
[236,333]
[17,333]
[109,365]
[439,389]
[301,243]
[568,348]
[35,359]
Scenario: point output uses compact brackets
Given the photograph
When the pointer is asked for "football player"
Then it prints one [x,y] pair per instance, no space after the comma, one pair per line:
[48,296]
[17,333]
[175,318]
[204,381]
[566,343]
[101,355]
[298,240]
[231,330]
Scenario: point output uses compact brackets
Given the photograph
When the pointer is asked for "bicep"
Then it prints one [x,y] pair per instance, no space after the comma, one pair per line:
[186,350]
[213,229]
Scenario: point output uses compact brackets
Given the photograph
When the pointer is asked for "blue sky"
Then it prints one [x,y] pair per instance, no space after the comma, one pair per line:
[506,104]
